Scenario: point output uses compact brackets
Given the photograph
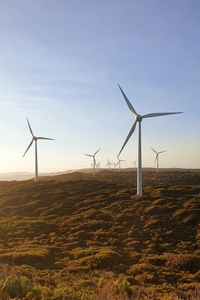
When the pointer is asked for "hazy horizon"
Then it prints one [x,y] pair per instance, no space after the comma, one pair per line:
[60,66]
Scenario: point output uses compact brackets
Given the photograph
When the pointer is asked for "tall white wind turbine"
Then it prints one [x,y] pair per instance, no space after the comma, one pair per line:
[138,120]
[35,139]
[157,158]
[94,160]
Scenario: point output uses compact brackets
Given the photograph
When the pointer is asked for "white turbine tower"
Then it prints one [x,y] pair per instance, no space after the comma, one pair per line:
[119,162]
[157,158]
[35,139]
[94,160]
[138,120]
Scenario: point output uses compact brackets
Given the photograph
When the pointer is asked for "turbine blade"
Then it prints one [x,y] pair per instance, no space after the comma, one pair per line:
[156,158]
[28,147]
[128,137]
[154,150]
[88,155]
[97,151]
[31,131]
[151,115]
[44,138]
[127,101]
[162,151]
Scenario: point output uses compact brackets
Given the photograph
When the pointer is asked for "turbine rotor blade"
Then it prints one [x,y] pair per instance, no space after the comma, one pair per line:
[31,131]
[127,101]
[28,147]
[128,137]
[162,151]
[156,158]
[152,115]
[97,151]
[44,138]
[88,155]
[154,150]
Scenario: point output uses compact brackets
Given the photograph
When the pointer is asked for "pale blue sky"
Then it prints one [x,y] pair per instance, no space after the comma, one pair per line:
[60,62]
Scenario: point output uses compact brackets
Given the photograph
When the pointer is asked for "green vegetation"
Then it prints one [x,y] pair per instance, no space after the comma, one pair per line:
[79,237]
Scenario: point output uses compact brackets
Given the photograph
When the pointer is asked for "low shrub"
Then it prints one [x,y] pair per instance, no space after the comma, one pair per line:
[16,286]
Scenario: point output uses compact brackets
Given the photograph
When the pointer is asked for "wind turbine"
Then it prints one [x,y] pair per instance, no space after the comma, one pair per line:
[119,162]
[138,120]
[114,164]
[94,160]
[35,139]
[134,163]
[98,165]
[109,164]
[157,158]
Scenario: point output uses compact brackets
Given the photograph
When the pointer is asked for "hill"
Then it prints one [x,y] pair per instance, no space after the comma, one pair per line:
[90,237]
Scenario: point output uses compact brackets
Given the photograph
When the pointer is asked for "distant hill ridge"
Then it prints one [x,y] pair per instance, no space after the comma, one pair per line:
[28,175]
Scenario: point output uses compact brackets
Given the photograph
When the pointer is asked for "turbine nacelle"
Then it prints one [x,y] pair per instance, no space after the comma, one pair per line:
[138,118]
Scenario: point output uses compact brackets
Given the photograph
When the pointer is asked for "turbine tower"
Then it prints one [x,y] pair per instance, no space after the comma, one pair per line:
[138,120]
[94,160]
[35,139]
[157,158]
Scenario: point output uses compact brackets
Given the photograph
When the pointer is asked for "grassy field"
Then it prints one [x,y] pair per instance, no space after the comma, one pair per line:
[78,236]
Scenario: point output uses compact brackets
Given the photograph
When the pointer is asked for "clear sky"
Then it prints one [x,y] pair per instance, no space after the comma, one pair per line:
[60,62]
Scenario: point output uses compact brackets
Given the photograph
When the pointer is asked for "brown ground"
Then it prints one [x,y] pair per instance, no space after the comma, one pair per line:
[76,228]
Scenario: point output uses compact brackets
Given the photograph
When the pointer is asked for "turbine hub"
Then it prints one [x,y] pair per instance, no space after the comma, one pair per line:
[138,118]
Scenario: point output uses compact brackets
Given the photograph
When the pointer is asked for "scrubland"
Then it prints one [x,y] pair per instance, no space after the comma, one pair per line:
[76,236]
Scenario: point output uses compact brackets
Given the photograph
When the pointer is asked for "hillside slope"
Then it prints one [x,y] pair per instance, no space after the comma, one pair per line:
[81,228]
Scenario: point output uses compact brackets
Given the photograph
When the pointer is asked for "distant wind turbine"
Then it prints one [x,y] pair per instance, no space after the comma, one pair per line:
[94,160]
[157,158]
[35,139]
[119,162]
[109,164]
[138,119]
[98,165]
[115,164]
[134,163]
